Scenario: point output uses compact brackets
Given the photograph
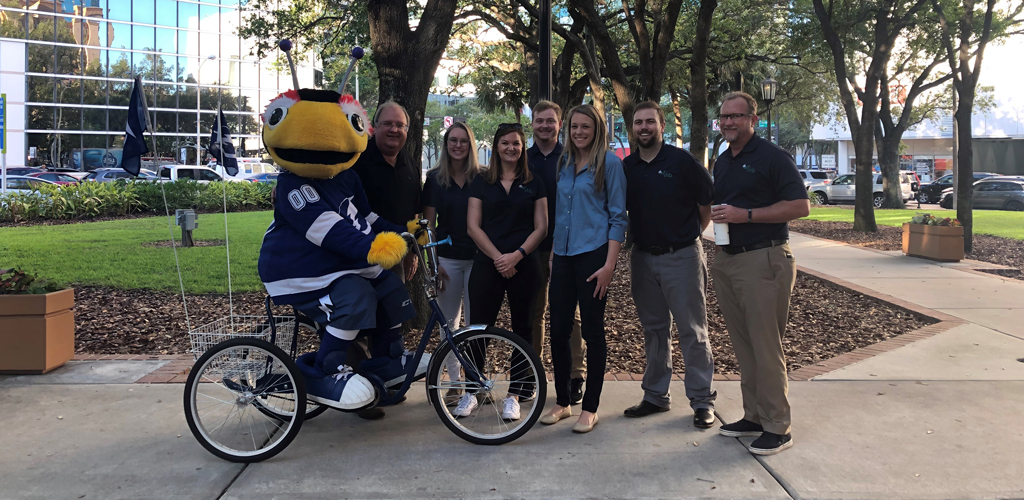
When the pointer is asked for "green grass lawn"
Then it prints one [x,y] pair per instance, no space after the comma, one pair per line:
[113,253]
[993,222]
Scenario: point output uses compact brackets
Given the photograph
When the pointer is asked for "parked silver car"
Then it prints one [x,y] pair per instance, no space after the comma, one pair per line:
[994,193]
[842,189]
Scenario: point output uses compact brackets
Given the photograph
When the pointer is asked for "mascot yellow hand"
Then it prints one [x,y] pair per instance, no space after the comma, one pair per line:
[387,250]
[416,230]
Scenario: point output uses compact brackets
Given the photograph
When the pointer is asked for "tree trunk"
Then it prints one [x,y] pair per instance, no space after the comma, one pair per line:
[965,163]
[889,163]
[677,114]
[864,208]
[699,82]
[405,73]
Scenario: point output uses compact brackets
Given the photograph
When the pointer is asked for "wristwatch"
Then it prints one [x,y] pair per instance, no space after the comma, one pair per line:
[750,215]
[520,249]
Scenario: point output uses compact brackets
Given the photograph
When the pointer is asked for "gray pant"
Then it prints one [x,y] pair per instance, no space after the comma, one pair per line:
[671,286]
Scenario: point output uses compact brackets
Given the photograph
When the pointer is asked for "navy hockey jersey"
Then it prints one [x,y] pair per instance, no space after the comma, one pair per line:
[322,230]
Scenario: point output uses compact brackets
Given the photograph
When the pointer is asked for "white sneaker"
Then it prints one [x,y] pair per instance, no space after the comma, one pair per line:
[511,411]
[466,406]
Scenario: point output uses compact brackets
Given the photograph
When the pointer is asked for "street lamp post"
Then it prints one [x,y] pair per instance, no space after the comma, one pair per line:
[769,87]
[544,33]
[199,131]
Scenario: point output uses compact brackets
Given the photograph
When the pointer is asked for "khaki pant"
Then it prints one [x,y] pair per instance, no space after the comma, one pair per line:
[540,305]
[753,290]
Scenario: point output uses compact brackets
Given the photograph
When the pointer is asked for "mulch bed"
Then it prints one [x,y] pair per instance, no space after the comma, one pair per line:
[992,249]
[825,321]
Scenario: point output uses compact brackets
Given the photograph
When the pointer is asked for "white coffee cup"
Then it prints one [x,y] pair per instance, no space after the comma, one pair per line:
[721,230]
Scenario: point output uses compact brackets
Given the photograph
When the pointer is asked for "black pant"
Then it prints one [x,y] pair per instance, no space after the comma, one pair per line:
[569,286]
[487,290]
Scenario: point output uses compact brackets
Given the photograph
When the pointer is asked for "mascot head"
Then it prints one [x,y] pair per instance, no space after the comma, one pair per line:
[315,133]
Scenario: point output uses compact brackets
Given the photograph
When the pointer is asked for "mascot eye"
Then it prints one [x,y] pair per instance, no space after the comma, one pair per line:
[357,123]
[276,116]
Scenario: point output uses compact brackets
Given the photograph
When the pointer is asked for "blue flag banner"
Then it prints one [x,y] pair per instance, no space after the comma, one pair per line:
[134,141]
[221,147]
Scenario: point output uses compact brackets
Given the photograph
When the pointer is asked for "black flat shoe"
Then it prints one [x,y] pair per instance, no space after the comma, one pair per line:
[371,414]
[644,409]
[576,391]
[770,444]
[703,418]
[741,428]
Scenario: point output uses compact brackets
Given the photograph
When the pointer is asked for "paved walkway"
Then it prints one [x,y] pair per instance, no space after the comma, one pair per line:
[935,418]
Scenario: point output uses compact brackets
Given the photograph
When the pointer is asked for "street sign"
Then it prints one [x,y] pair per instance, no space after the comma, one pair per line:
[448,121]
[828,162]
[3,123]
[762,123]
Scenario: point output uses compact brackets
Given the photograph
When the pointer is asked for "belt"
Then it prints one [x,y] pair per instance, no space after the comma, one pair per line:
[655,250]
[733,249]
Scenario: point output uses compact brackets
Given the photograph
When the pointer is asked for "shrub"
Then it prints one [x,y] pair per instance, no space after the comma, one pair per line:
[931,220]
[113,199]
[15,281]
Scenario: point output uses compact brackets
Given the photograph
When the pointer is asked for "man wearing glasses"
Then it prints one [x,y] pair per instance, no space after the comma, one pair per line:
[758,190]
[392,186]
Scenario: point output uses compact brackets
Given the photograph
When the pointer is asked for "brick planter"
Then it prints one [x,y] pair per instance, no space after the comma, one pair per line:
[37,332]
[941,243]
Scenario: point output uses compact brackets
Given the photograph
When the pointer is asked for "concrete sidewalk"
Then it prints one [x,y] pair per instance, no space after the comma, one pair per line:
[937,418]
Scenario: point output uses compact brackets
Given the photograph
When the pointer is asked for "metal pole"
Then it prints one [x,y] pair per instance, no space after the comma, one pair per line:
[544,65]
[770,134]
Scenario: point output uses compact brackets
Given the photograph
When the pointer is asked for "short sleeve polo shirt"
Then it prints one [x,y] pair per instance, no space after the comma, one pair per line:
[507,218]
[393,191]
[663,197]
[545,167]
[451,204]
[761,175]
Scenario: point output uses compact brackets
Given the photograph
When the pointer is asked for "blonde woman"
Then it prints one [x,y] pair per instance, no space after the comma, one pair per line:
[590,226]
[445,204]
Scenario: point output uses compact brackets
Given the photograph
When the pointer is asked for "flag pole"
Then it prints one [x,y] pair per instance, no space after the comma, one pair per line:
[224,184]
[167,209]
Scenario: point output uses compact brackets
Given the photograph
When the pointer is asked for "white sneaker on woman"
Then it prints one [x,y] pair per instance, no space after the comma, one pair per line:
[511,411]
[466,406]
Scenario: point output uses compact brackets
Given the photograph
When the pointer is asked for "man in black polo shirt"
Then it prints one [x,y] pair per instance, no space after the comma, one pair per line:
[543,157]
[392,186]
[391,181]
[758,190]
[668,197]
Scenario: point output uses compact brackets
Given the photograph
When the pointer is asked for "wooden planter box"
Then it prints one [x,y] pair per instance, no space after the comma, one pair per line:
[37,332]
[941,243]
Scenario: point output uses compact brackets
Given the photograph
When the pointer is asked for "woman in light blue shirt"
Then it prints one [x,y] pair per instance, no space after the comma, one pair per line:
[590,226]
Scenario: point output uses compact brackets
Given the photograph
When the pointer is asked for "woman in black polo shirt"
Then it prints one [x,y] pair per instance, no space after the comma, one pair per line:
[507,219]
[445,199]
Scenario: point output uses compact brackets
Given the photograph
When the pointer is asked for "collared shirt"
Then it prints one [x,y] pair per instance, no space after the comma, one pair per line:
[451,204]
[507,218]
[761,175]
[393,191]
[545,166]
[585,219]
[663,197]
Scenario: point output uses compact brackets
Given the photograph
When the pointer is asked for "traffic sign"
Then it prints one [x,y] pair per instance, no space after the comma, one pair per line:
[448,121]
[3,123]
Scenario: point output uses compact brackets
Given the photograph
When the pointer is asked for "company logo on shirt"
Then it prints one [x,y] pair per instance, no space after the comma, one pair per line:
[748,169]
[665,173]
[524,188]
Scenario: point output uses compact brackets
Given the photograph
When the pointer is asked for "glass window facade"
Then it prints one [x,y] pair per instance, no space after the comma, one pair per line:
[80,59]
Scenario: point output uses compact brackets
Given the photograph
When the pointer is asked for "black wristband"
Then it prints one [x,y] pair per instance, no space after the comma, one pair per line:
[520,249]
[750,215]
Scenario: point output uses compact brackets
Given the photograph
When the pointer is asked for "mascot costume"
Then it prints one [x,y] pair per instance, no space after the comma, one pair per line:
[326,253]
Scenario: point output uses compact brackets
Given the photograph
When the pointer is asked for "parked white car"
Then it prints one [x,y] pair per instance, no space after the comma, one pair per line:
[842,189]
[25,184]
[198,174]
[817,176]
